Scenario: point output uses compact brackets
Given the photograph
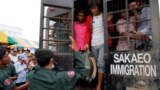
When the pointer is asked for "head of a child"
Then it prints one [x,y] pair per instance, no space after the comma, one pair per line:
[94,6]
[124,15]
[81,16]
[44,58]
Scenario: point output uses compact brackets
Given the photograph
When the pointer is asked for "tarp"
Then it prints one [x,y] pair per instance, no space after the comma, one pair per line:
[23,43]
[6,39]
[3,37]
[11,40]
[19,42]
[33,44]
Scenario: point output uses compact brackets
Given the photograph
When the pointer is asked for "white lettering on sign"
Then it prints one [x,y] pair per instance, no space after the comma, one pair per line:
[132,58]
[138,70]
[133,64]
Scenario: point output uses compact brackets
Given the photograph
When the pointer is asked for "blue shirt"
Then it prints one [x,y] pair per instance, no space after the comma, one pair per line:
[145,26]
[20,70]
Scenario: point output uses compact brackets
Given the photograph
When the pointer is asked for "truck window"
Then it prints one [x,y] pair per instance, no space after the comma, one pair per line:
[57,28]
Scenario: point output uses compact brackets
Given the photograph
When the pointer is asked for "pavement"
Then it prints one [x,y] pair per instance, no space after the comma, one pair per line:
[152,87]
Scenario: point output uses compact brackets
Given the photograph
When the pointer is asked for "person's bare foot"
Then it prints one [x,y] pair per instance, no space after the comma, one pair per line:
[98,87]
[100,81]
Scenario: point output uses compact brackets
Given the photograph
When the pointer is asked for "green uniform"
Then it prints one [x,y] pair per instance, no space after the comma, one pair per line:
[5,73]
[50,79]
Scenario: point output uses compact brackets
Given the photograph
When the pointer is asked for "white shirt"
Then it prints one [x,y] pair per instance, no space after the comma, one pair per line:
[20,70]
[97,31]
[13,58]
[123,43]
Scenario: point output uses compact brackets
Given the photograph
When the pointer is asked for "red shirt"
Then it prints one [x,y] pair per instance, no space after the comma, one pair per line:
[88,29]
[80,35]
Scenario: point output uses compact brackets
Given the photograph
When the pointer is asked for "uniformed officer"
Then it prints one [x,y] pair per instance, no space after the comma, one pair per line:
[45,77]
[7,73]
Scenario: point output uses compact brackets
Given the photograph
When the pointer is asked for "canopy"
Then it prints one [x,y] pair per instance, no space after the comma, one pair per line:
[3,37]
[23,43]
[11,40]
[6,39]
[19,42]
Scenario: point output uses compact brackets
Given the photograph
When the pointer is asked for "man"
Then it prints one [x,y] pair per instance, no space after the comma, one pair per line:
[21,70]
[143,27]
[95,28]
[45,77]
[7,73]
[14,55]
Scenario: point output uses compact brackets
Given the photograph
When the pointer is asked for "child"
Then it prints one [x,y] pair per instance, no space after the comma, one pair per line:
[125,30]
[80,31]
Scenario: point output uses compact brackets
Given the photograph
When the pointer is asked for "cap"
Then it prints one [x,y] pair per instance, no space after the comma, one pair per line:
[22,57]
[2,52]
[32,51]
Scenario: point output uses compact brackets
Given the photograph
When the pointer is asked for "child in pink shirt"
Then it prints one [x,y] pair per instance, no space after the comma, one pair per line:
[80,31]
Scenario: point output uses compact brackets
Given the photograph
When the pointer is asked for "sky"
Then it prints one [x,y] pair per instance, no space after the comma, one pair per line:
[22,13]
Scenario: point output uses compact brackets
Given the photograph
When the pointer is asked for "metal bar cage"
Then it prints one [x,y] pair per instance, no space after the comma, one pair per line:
[56,27]
[126,34]
[125,30]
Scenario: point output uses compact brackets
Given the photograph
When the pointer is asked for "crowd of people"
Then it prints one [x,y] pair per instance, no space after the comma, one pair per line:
[137,29]
[23,61]
[19,76]
[133,27]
